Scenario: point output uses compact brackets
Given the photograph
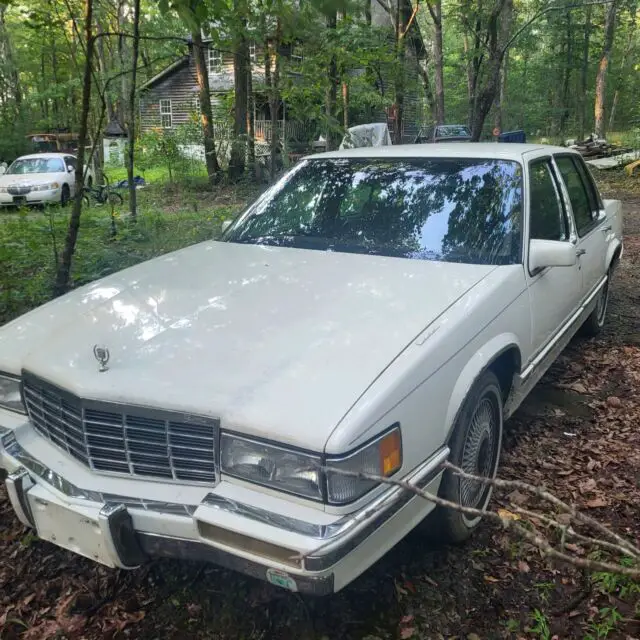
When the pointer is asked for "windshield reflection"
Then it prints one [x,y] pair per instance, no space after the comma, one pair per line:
[450,209]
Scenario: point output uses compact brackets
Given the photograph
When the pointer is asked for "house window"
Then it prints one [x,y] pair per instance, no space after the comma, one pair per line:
[296,54]
[252,52]
[165,114]
[214,61]
[196,104]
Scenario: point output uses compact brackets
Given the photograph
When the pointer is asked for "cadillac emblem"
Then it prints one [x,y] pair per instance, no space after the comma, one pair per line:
[102,356]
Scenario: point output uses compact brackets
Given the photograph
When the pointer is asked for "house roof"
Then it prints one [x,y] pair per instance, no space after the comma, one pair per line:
[114,130]
[167,71]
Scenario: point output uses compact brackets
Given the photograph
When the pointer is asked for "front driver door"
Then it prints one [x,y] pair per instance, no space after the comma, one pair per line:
[554,292]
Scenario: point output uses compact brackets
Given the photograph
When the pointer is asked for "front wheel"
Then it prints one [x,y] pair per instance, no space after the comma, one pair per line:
[475,448]
[65,195]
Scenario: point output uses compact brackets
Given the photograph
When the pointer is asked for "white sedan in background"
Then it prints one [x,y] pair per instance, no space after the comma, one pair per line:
[43,178]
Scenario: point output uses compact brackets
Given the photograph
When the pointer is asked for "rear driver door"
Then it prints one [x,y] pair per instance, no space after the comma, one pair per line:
[554,292]
[585,207]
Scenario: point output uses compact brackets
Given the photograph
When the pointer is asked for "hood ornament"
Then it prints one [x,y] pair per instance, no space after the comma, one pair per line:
[101,354]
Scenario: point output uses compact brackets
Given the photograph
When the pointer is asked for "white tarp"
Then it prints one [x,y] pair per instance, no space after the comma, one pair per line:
[367,135]
[614,161]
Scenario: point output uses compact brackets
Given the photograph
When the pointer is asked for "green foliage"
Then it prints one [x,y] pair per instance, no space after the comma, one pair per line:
[30,240]
[603,623]
[540,626]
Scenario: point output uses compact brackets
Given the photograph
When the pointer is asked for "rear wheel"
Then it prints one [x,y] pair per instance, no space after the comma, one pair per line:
[475,448]
[114,198]
[594,324]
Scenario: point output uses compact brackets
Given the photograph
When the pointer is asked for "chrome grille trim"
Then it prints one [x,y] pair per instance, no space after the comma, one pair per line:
[124,440]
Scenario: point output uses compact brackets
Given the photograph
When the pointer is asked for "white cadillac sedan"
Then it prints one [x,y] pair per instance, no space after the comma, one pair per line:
[42,178]
[378,310]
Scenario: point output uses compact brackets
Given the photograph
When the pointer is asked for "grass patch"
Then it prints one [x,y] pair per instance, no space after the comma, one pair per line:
[31,239]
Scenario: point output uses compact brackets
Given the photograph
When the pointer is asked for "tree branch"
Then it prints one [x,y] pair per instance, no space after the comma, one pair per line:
[511,521]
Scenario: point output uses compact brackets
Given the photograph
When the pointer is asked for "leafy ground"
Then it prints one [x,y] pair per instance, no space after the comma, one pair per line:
[577,434]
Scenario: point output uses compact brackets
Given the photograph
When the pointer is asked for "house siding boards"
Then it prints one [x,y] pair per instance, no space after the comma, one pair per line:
[180,85]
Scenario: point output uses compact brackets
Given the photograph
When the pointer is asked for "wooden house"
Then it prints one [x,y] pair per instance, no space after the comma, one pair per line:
[171,98]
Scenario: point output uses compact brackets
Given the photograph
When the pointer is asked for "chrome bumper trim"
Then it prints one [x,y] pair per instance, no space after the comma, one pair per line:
[395,497]
[183,549]
[55,480]
[337,539]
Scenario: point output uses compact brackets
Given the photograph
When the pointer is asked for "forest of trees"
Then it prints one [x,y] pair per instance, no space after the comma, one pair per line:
[555,68]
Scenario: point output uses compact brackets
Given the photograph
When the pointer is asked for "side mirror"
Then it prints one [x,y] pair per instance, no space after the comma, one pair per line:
[3,170]
[70,169]
[226,224]
[551,253]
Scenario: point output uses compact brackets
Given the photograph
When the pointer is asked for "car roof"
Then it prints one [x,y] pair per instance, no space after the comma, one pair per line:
[45,155]
[498,150]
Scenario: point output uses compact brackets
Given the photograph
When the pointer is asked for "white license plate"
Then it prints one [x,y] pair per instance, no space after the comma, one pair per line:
[74,528]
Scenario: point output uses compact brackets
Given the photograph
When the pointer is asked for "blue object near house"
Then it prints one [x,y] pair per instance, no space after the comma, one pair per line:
[513,136]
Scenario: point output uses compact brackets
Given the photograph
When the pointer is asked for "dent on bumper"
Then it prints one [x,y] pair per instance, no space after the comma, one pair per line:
[312,573]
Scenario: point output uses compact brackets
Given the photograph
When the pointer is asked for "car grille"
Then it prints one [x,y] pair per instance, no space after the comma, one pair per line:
[19,191]
[119,439]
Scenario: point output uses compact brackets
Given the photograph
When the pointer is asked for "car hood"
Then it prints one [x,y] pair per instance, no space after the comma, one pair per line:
[276,342]
[26,179]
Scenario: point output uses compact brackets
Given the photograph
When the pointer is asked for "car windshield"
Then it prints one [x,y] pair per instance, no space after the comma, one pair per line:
[452,131]
[36,165]
[456,210]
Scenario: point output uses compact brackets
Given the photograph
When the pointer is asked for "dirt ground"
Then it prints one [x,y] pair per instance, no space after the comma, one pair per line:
[577,434]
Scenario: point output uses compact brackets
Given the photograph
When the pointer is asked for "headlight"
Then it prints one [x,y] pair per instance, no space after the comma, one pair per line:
[382,457]
[10,394]
[271,466]
[46,187]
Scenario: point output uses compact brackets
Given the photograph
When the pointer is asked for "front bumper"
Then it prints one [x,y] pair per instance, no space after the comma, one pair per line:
[31,198]
[316,557]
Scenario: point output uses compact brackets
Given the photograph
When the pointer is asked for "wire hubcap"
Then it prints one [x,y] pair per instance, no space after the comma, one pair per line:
[480,453]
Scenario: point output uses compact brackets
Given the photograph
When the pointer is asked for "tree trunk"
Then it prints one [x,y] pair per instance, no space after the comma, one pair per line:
[566,78]
[399,78]
[274,103]
[438,59]
[64,269]
[428,91]
[345,105]
[500,97]
[497,32]
[241,69]
[469,67]
[367,12]
[584,71]
[331,99]
[603,66]
[623,68]
[132,111]
[251,123]
[122,57]
[206,114]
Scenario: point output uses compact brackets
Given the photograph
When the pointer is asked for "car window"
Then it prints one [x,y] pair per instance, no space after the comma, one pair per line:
[452,131]
[583,213]
[36,165]
[592,190]
[449,209]
[547,220]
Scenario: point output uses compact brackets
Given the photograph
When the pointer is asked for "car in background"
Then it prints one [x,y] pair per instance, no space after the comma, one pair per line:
[444,133]
[43,178]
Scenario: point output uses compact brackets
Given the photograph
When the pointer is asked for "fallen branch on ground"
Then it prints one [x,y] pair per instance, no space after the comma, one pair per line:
[526,528]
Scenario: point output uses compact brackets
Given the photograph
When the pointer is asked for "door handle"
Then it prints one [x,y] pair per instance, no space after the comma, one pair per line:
[607,229]
[580,252]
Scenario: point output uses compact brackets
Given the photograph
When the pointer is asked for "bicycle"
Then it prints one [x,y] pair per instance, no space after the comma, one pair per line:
[101,194]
